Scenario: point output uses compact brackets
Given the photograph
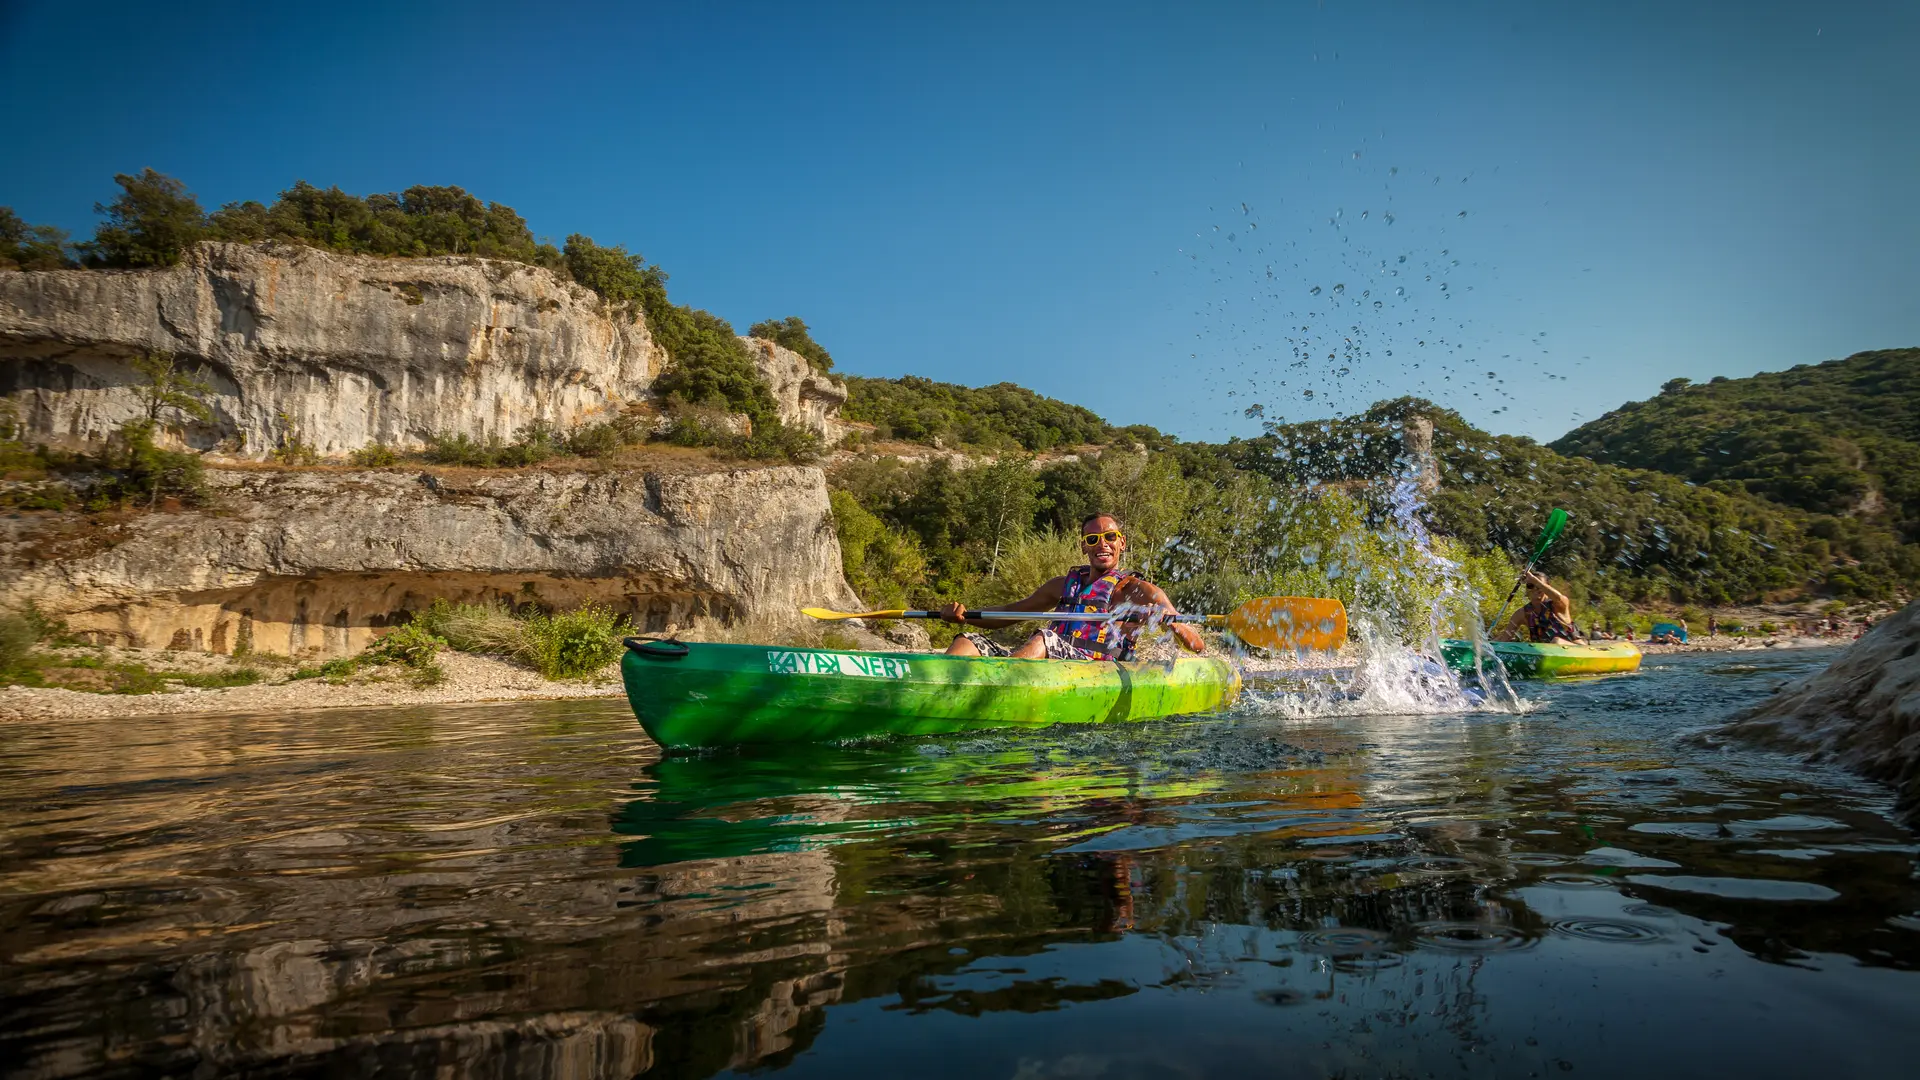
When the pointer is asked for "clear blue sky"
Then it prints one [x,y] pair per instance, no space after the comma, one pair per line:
[1125,206]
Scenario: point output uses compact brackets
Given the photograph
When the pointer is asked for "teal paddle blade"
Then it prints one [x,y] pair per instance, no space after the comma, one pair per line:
[1556,524]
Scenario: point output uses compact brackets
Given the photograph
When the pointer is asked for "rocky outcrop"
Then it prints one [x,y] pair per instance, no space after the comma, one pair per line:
[335,351]
[317,562]
[806,398]
[1862,712]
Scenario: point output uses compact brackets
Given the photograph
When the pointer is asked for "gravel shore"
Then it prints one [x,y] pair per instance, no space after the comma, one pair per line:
[469,679]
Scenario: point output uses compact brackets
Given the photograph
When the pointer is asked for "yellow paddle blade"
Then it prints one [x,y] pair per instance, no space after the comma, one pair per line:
[823,613]
[1309,623]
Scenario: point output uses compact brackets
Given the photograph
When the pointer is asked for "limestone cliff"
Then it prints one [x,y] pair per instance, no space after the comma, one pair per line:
[341,351]
[336,350]
[1862,712]
[317,562]
[806,398]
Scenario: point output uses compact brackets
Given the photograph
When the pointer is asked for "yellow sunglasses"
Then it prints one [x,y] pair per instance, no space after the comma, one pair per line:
[1111,536]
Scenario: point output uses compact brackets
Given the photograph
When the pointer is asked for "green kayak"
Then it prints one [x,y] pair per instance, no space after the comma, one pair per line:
[1525,660]
[693,695]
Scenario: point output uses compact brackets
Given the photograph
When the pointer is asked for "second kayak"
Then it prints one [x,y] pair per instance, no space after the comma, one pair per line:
[696,695]
[1526,660]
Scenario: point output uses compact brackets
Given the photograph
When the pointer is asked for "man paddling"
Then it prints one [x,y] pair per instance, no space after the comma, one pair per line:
[1546,617]
[1099,586]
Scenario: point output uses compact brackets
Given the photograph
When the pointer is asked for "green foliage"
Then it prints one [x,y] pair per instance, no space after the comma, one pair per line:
[485,629]
[1029,561]
[420,221]
[1646,536]
[140,470]
[1150,496]
[998,417]
[31,247]
[373,456]
[562,645]
[169,386]
[98,675]
[219,680]
[575,644]
[537,442]
[791,332]
[17,639]
[412,645]
[337,670]
[1000,501]
[152,223]
[619,277]
[1839,438]
[883,565]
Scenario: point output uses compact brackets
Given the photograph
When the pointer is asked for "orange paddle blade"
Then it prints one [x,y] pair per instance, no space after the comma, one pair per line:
[1299,623]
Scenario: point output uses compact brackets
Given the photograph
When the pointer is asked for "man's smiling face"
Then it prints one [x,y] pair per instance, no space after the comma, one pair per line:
[1104,554]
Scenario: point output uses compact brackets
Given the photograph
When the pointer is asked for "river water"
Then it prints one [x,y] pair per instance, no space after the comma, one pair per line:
[530,889]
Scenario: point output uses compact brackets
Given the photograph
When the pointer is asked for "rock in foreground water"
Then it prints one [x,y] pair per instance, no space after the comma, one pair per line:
[1862,712]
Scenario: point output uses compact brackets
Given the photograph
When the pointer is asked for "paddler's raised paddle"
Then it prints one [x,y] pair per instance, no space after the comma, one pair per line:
[1556,524]
[1310,623]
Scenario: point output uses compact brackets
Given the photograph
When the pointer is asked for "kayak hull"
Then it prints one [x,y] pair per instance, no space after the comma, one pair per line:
[1526,660]
[696,695]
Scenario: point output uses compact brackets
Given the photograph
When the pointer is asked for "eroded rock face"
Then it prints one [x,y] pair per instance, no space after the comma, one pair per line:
[806,398]
[1862,712]
[338,351]
[318,563]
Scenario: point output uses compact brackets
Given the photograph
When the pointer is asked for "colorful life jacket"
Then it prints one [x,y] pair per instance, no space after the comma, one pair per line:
[1103,639]
[1545,624]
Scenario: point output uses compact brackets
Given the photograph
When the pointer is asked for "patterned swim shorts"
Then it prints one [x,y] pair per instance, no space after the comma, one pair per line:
[1058,648]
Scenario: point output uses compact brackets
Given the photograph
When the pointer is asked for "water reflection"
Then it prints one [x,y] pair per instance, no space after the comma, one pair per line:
[441,891]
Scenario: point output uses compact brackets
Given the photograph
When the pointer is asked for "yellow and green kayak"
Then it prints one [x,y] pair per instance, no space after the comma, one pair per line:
[690,695]
[1525,660]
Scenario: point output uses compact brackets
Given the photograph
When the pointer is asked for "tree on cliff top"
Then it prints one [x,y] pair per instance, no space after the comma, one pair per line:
[31,247]
[153,222]
[420,221]
[791,333]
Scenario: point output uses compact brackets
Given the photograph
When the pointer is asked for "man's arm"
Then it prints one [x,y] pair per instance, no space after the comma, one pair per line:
[1147,594]
[1044,598]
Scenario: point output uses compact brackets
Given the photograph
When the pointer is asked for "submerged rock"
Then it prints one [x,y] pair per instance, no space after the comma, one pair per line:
[1862,712]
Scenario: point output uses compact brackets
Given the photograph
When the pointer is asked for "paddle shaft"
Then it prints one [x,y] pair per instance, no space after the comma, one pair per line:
[1057,616]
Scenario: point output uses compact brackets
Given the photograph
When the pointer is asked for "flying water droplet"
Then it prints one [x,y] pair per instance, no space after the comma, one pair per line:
[1314,291]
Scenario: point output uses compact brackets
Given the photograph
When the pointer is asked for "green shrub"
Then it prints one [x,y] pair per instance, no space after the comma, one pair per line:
[17,638]
[486,629]
[608,437]
[373,456]
[575,644]
[140,470]
[219,679]
[460,449]
[537,442]
[412,645]
[791,332]
[334,670]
